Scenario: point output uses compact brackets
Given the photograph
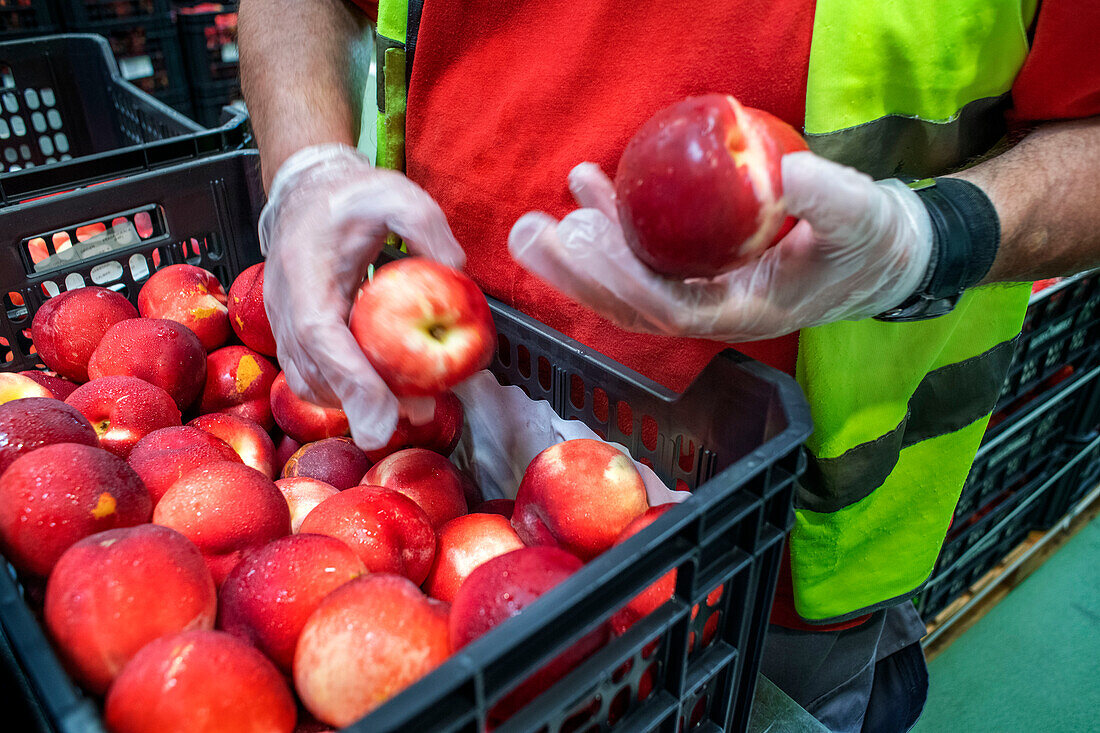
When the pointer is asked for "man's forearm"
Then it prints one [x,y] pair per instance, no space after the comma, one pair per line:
[1047,193]
[303,69]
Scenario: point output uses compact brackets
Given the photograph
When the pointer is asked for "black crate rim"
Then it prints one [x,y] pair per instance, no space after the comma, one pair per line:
[463,667]
[198,142]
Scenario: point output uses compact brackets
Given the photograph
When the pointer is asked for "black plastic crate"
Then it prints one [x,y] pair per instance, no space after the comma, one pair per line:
[975,548]
[68,118]
[22,18]
[208,104]
[208,37]
[148,55]
[697,666]
[85,14]
[1024,445]
[1061,329]
[1083,457]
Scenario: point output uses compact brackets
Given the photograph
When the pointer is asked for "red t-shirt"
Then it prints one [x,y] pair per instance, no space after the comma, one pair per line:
[506,98]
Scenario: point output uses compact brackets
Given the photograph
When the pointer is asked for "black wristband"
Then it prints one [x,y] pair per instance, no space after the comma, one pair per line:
[966,234]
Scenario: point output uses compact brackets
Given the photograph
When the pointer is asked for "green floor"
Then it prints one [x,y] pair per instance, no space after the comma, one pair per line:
[1033,662]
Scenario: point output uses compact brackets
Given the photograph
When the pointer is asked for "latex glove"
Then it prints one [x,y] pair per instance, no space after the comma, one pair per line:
[504,429]
[861,248]
[325,221]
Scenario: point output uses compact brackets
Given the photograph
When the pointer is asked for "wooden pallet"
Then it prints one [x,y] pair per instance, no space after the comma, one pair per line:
[965,611]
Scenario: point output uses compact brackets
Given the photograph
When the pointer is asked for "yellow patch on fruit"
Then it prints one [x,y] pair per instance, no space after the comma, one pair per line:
[105,506]
[248,371]
[619,470]
[240,321]
[201,313]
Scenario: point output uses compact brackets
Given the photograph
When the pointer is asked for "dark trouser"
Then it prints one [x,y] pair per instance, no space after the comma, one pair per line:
[869,679]
[898,692]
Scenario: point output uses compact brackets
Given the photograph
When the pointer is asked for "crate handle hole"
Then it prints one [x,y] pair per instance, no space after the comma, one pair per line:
[504,351]
[625,418]
[523,357]
[576,391]
[599,404]
[544,373]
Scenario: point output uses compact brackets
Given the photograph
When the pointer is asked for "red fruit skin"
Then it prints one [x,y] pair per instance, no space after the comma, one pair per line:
[464,544]
[200,682]
[655,594]
[394,316]
[60,388]
[285,447]
[440,434]
[304,421]
[190,296]
[580,495]
[16,387]
[105,598]
[164,456]
[503,507]
[161,352]
[699,187]
[246,311]
[302,496]
[427,478]
[367,641]
[247,438]
[471,490]
[238,382]
[336,461]
[267,598]
[387,530]
[123,410]
[67,328]
[503,587]
[60,494]
[226,509]
[32,422]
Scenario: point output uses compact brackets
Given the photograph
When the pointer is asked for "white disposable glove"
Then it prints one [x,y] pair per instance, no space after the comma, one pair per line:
[861,248]
[325,221]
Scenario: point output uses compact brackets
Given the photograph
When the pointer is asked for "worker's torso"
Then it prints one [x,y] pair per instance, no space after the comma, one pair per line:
[506,98]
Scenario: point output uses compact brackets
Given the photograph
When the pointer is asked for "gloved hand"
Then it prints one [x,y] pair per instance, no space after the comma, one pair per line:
[326,220]
[861,248]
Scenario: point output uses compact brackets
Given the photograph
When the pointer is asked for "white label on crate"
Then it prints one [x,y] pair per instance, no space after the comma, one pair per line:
[1051,332]
[117,237]
[136,67]
[229,53]
[105,273]
[1016,445]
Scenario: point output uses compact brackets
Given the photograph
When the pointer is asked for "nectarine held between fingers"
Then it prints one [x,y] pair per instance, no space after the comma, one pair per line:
[699,187]
[423,326]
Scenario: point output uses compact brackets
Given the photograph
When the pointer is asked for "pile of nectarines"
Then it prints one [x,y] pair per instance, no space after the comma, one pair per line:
[213,546]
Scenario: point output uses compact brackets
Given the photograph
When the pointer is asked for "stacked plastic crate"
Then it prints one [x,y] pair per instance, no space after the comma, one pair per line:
[143,38]
[1041,452]
[208,36]
[25,18]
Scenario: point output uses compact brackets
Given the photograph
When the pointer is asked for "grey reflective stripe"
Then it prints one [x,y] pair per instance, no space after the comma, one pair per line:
[946,400]
[909,146]
[381,45]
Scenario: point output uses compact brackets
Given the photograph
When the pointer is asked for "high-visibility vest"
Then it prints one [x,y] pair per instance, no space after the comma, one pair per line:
[895,88]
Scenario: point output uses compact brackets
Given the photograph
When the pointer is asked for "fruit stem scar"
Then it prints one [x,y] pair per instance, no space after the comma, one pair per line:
[437,331]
